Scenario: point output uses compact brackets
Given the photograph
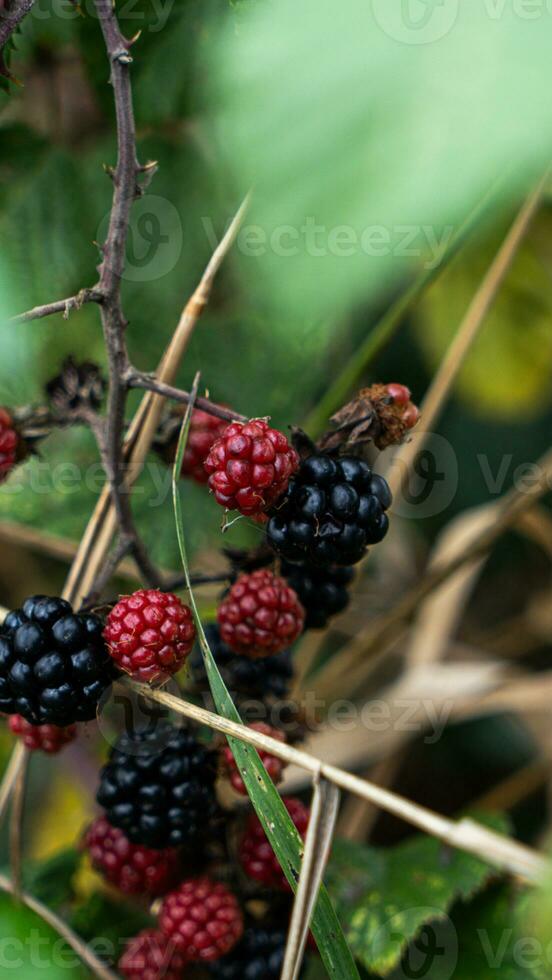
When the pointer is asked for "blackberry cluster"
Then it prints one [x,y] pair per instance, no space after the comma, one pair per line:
[259,956]
[323,592]
[158,787]
[256,679]
[332,511]
[54,665]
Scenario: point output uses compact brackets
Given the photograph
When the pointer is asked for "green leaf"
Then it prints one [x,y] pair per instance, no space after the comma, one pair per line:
[109,923]
[481,940]
[51,880]
[32,950]
[386,897]
[352,130]
[270,809]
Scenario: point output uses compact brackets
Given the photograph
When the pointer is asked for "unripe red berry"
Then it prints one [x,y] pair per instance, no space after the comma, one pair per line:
[261,615]
[272,764]
[150,634]
[42,738]
[9,440]
[256,856]
[151,956]
[202,918]
[132,868]
[249,467]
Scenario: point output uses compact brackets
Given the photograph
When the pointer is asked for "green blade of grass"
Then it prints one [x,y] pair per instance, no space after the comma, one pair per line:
[272,813]
[386,327]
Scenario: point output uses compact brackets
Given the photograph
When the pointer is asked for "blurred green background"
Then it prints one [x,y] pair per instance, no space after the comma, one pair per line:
[332,117]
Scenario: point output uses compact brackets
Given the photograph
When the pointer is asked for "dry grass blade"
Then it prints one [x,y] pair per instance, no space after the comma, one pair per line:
[466,835]
[16,823]
[83,951]
[353,661]
[11,774]
[102,525]
[466,335]
[318,842]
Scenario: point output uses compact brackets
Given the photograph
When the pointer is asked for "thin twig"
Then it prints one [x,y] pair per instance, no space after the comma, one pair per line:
[98,968]
[138,379]
[465,834]
[11,774]
[323,815]
[102,525]
[16,823]
[10,19]
[384,330]
[465,337]
[387,629]
[63,306]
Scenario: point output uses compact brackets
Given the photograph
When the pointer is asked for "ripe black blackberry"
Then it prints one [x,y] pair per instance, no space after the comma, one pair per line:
[332,511]
[259,955]
[323,592]
[158,787]
[258,679]
[54,665]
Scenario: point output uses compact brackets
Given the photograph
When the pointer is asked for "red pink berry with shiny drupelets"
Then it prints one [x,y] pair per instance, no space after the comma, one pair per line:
[151,956]
[132,868]
[249,467]
[261,615]
[202,918]
[150,634]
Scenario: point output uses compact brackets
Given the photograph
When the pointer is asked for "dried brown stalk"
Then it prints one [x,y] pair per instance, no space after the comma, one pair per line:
[465,834]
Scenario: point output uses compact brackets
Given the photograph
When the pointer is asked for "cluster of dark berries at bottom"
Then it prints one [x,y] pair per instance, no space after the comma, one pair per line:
[323,592]
[256,856]
[54,665]
[202,918]
[150,633]
[151,956]
[158,787]
[273,765]
[249,467]
[261,615]
[42,738]
[259,955]
[333,510]
[132,868]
